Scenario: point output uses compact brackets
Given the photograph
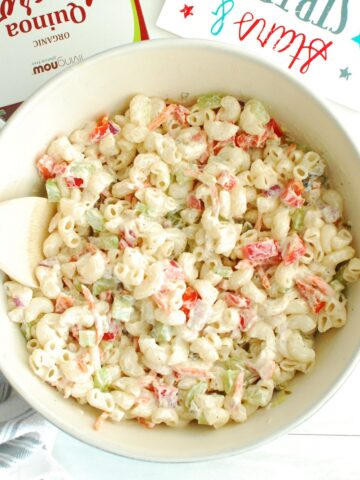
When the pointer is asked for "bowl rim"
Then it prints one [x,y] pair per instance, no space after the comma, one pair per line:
[157,44]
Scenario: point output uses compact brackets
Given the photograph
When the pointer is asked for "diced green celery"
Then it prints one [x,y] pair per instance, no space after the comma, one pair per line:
[26,330]
[202,420]
[254,113]
[81,169]
[181,178]
[162,332]
[77,284]
[280,398]
[107,242]
[101,379]
[145,210]
[246,227]
[229,379]
[211,100]
[122,307]
[197,389]
[141,208]
[257,396]
[95,220]
[339,275]
[87,338]
[297,219]
[234,363]
[52,190]
[223,271]
[337,286]
[103,285]
[175,219]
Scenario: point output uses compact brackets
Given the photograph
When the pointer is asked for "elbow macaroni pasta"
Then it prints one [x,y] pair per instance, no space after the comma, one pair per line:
[193,257]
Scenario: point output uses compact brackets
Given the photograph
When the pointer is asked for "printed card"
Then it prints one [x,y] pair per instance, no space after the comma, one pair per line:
[39,38]
[318,41]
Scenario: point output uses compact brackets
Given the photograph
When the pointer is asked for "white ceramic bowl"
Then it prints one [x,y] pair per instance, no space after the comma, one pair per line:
[167,68]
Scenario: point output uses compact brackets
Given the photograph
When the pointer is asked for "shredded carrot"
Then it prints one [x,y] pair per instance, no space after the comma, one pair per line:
[238,391]
[215,200]
[136,344]
[290,148]
[156,122]
[143,399]
[192,372]
[263,277]
[88,296]
[82,365]
[258,223]
[148,379]
[100,420]
[91,248]
[68,283]
[145,423]
[192,173]
[63,302]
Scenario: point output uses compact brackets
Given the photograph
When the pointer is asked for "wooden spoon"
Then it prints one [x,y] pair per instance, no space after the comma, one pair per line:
[24,226]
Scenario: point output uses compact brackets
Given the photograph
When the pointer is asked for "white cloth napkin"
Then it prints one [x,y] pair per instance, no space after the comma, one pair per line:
[26,440]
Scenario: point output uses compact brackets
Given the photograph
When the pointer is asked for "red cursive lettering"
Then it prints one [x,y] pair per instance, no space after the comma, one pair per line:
[283,39]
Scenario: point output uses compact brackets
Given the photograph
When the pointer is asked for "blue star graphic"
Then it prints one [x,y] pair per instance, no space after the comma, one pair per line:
[345,73]
[357,39]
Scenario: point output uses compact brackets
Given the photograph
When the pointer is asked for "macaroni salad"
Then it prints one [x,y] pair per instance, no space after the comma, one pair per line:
[195,254]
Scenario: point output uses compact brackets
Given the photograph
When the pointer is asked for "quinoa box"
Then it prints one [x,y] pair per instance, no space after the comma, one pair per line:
[39,38]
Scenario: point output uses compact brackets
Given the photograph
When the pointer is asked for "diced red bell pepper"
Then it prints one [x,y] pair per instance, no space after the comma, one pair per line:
[294,250]
[63,302]
[108,336]
[73,182]
[112,333]
[248,317]
[181,114]
[220,145]
[190,297]
[48,168]
[245,140]
[193,202]
[291,196]
[315,291]
[164,393]
[45,165]
[257,252]
[233,300]
[227,181]
[101,130]
[275,127]
[173,271]
[273,191]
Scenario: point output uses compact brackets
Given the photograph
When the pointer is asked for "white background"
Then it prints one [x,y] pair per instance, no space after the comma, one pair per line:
[326,447]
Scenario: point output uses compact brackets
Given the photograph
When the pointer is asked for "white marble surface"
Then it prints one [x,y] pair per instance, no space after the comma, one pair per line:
[325,447]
